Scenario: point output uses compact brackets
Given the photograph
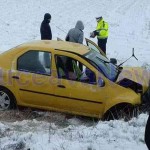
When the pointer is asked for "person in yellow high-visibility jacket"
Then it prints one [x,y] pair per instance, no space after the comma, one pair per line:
[101,32]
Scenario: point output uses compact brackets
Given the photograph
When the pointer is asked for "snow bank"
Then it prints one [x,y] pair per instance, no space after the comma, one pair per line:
[78,135]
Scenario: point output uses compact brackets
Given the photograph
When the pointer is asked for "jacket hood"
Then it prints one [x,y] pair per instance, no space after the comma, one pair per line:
[47,16]
[79,25]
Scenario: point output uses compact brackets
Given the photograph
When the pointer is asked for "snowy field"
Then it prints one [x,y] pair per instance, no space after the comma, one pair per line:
[129,25]
[52,131]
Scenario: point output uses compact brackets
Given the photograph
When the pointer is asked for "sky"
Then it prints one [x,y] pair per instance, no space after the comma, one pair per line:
[129,27]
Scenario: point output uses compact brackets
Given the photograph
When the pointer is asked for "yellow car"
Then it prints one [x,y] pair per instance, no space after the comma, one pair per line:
[68,77]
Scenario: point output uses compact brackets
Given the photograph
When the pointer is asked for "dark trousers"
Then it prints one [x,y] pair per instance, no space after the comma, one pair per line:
[147,133]
[102,44]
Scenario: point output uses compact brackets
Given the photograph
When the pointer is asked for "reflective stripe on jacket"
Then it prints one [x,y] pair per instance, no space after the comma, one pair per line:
[102,28]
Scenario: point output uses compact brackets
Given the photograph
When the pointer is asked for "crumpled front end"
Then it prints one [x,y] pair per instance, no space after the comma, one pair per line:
[136,78]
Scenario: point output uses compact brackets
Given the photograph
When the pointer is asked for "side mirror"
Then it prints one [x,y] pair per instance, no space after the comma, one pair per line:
[101,82]
[113,61]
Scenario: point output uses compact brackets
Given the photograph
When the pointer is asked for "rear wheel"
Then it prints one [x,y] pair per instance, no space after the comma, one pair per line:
[7,100]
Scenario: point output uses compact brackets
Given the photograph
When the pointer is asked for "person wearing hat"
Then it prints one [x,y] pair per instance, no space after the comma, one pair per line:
[101,32]
[45,28]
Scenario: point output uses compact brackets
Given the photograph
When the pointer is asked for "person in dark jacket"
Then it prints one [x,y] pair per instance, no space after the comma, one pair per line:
[147,133]
[45,29]
[76,34]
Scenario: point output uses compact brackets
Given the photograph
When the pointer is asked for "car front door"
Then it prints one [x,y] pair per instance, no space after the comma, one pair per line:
[94,47]
[75,92]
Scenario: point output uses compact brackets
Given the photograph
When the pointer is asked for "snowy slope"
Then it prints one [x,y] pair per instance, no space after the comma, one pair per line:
[60,133]
[129,24]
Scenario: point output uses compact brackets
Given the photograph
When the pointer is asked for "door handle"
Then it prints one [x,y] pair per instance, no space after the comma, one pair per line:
[15,77]
[61,86]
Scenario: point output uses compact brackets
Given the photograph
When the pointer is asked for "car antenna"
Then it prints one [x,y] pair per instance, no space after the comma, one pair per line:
[133,55]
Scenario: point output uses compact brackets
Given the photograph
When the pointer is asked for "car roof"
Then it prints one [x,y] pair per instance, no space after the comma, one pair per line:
[51,45]
[45,45]
[55,45]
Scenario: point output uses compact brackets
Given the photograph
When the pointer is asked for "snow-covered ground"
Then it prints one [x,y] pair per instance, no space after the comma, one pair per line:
[52,131]
[129,24]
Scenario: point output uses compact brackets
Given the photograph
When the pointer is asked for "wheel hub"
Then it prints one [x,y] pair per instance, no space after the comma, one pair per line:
[4,100]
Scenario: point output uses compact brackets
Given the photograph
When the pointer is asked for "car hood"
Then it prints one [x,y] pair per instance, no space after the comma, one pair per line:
[136,74]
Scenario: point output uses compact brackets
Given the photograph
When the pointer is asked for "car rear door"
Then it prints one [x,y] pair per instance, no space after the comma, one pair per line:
[32,76]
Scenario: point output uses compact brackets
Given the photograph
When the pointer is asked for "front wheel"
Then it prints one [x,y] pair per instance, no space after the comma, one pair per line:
[7,100]
[121,111]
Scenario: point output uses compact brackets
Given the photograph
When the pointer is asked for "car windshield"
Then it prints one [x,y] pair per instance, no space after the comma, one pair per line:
[102,64]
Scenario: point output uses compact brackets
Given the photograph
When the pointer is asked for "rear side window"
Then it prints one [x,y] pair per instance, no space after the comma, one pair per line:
[38,62]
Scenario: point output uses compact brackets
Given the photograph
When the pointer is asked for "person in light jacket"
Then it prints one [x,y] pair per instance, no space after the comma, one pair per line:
[76,34]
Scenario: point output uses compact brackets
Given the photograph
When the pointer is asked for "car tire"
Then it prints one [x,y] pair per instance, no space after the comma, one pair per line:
[7,100]
[121,111]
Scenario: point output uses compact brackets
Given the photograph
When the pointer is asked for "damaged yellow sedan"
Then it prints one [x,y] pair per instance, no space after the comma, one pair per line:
[68,77]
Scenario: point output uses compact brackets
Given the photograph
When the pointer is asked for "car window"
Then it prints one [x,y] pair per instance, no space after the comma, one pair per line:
[103,65]
[95,47]
[71,69]
[35,62]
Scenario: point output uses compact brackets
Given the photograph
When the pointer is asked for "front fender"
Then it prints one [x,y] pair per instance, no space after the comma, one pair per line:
[128,98]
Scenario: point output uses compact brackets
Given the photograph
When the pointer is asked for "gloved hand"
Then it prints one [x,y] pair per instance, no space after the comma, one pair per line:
[92,34]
